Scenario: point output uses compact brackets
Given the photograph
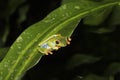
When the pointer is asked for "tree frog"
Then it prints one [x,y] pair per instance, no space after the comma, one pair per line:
[53,43]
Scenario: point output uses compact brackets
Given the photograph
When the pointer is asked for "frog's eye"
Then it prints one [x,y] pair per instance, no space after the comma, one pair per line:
[57,42]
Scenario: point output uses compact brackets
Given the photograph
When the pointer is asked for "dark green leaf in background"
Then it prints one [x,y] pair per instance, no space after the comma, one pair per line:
[79,59]
[115,19]
[113,69]
[10,7]
[98,17]
[94,77]
[3,52]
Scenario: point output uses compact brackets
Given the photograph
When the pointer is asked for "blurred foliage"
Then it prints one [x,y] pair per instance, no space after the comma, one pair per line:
[94,52]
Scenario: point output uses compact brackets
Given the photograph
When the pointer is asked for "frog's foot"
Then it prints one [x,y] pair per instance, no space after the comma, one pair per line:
[68,40]
[48,52]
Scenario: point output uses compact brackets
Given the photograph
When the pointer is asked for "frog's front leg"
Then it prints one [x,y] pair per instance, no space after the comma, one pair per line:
[68,40]
[48,52]
[45,48]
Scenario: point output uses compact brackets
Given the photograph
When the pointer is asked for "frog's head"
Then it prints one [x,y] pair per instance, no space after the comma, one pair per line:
[60,41]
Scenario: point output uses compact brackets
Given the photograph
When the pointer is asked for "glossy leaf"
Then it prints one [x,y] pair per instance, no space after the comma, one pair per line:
[23,54]
[98,17]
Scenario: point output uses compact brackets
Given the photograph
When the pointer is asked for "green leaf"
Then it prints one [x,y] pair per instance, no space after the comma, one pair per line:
[79,59]
[101,30]
[68,1]
[9,9]
[12,5]
[98,17]
[115,19]
[78,78]
[23,54]
[22,14]
[94,77]
[113,69]
[3,52]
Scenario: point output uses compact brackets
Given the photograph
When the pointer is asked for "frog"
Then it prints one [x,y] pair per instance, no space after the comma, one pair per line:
[54,42]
